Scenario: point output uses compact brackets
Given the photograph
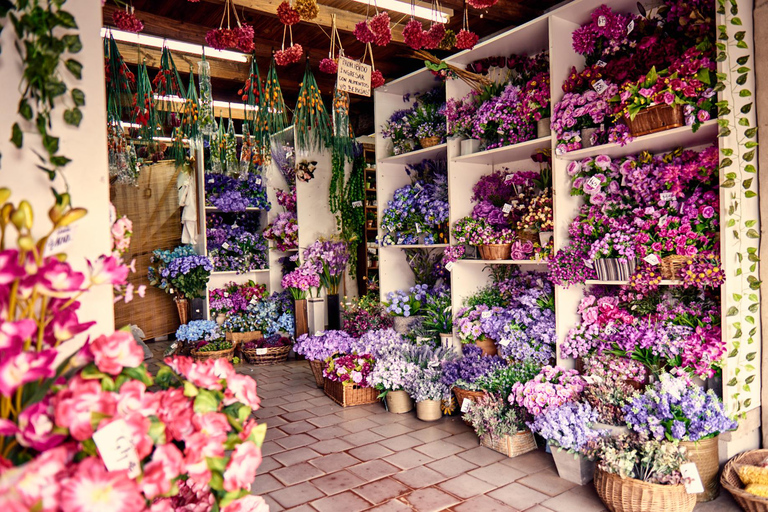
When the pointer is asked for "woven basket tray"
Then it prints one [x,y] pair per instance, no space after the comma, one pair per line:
[655,119]
[347,396]
[317,371]
[270,355]
[428,142]
[630,495]
[495,251]
[671,265]
[202,356]
[511,446]
[732,483]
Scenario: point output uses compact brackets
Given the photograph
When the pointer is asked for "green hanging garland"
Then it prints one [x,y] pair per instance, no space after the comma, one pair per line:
[190,113]
[145,111]
[353,208]
[273,116]
[313,124]
[343,138]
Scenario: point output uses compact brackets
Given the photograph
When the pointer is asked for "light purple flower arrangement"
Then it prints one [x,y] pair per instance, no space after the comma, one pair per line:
[479,232]
[321,346]
[567,427]
[329,259]
[379,343]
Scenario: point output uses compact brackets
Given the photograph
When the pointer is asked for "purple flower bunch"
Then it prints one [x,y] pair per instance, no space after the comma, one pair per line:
[469,369]
[460,114]
[300,281]
[410,303]
[379,343]
[322,345]
[676,409]
[567,427]
[287,199]
[580,110]
[479,232]
[284,230]
[503,120]
[230,194]
[606,34]
[234,242]
[552,387]
[328,258]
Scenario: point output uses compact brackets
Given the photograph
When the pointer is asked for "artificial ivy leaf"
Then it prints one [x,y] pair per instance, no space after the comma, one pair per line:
[733,311]
[726,163]
[749,155]
[74,45]
[730,176]
[78,97]
[741,79]
[73,116]
[719,86]
[751,144]
[739,36]
[747,183]
[728,184]
[25,110]
[746,109]
[736,21]
[743,69]
[743,121]
[65,19]
[750,379]
[750,168]
[742,45]
[745,93]
[749,224]
[721,56]
[732,382]
[753,308]
[743,60]
[16,136]
[75,68]
[51,144]
[733,353]
[60,161]
[751,356]
[747,402]
[726,152]
[750,193]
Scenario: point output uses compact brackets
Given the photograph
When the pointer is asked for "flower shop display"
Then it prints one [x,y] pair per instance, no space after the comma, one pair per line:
[234,298]
[235,243]
[199,332]
[418,213]
[363,315]
[230,194]
[182,273]
[299,283]
[408,309]
[552,387]
[347,379]
[270,350]
[318,347]
[424,383]
[390,376]
[499,426]
[284,231]
[421,125]
[264,317]
[329,258]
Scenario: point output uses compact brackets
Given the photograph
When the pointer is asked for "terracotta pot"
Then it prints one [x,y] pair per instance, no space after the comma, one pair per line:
[488,345]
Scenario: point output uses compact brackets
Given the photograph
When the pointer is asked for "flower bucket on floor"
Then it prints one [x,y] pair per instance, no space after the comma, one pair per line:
[511,446]
[428,410]
[573,467]
[348,396]
[317,371]
[655,119]
[631,495]
[398,402]
[268,355]
[487,345]
[495,251]
[704,454]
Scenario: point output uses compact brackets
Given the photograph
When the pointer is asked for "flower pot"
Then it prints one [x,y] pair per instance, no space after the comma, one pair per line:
[631,495]
[528,235]
[182,306]
[487,345]
[428,142]
[704,454]
[447,340]
[470,146]
[316,314]
[613,269]
[586,137]
[404,324]
[573,467]
[334,312]
[511,446]
[398,402]
[220,318]
[300,315]
[428,410]
[655,119]
[495,251]
[545,237]
[543,127]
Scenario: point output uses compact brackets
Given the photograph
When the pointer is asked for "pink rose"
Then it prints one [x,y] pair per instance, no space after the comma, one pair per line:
[248,503]
[241,469]
[167,463]
[241,388]
[119,350]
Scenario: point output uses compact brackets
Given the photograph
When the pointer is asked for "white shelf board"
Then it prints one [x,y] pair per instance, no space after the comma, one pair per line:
[414,157]
[224,272]
[664,282]
[513,153]
[504,262]
[248,209]
[415,246]
[658,142]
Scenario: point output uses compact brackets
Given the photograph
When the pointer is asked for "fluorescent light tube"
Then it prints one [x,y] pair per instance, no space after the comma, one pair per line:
[157,42]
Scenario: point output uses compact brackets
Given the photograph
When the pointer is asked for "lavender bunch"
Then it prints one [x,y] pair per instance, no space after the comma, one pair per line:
[467,371]
[321,346]
[567,426]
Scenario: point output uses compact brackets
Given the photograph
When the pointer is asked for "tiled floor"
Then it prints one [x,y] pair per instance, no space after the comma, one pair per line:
[319,456]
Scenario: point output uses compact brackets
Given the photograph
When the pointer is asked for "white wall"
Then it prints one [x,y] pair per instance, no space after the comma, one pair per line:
[87,147]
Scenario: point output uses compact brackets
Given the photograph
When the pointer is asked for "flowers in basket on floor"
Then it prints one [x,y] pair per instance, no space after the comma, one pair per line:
[468,371]
[214,346]
[199,330]
[552,387]
[181,271]
[323,345]
[269,315]
[363,315]
[274,341]
[230,194]
[349,369]
[490,415]
[567,427]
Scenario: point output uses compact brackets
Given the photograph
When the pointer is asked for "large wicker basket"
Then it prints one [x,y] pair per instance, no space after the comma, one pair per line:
[732,483]
[511,446]
[347,396]
[465,394]
[428,142]
[631,495]
[267,355]
[704,454]
[655,119]
[671,265]
[317,371]
[218,354]
[495,251]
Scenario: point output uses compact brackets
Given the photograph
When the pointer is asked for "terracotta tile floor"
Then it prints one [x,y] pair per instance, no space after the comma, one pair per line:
[319,456]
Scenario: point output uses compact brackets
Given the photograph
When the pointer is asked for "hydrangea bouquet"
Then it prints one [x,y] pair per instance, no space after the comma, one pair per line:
[181,271]
[199,330]
[321,346]
[552,387]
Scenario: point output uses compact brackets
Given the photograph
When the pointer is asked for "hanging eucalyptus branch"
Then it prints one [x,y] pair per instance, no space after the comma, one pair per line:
[44,49]
[741,225]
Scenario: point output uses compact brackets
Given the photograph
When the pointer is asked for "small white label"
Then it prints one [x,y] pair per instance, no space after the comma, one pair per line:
[509,178]
[254,301]
[504,342]
[631,27]
[116,448]
[418,185]
[601,63]
[594,182]
[609,329]
[422,339]
[652,259]
[486,314]
[418,228]
[59,240]
[257,180]
[261,351]
[691,478]
[589,263]
[601,21]
[225,245]
[211,180]
[357,204]
[235,226]
[449,266]
[600,86]
[319,333]
[226,294]
[507,208]
[465,404]
[559,151]
[667,196]
[662,219]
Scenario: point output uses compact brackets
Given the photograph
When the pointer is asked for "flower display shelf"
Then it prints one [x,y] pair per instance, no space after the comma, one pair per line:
[414,246]
[268,355]
[248,209]
[505,154]
[631,495]
[658,142]
[733,484]
[664,282]
[348,396]
[235,272]
[217,354]
[413,157]
[511,446]
[504,262]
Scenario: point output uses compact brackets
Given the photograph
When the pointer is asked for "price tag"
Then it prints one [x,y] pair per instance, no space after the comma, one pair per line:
[631,27]
[609,329]
[509,178]
[504,342]
[254,301]
[600,86]
[589,263]
[261,351]
[652,259]
[601,21]
[226,294]
[507,208]
[559,151]
[225,245]
[418,185]
[623,180]
[486,314]
[319,333]
[235,226]
[116,448]
[421,339]
[211,180]
[418,228]
[466,404]
[357,204]
[667,196]
[601,63]
[59,240]
[663,219]
[594,182]
[449,266]
[649,210]
[691,478]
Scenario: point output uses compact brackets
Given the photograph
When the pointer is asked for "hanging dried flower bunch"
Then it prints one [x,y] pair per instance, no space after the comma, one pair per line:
[377,79]
[290,55]
[126,20]
[449,40]
[329,66]
[482,4]
[167,84]
[307,9]
[363,32]
[466,40]
[413,34]
[240,37]
[313,124]
[273,116]
[287,15]
[431,38]
[380,26]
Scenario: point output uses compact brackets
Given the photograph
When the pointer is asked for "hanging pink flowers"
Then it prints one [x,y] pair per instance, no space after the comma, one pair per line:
[466,40]
[482,4]
[125,20]
[245,35]
[240,37]
[287,15]
[363,33]
[413,34]
[289,56]
[377,79]
[431,38]
[329,66]
[381,28]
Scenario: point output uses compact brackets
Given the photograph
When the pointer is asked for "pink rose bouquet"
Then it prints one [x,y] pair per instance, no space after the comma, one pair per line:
[350,369]
[300,281]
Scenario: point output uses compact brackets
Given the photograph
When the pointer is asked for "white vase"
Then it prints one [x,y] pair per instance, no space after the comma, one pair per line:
[470,146]
[315,314]
[574,468]
[447,340]
[220,318]
[545,237]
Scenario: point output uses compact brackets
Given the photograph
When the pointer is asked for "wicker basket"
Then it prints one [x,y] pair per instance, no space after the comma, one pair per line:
[732,483]
[488,346]
[317,371]
[218,354]
[528,235]
[655,119]
[495,251]
[671,265]
[705,455]
[268,355]
[631,495]
[428,142]
[347,396]
[511,446]
[465,394]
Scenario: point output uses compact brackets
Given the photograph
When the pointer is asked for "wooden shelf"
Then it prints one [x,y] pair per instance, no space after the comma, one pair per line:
[505,154]
[664,282]
[224,272]
[370,190]
[504,262]
[415,246]
[249,209]
[417,156]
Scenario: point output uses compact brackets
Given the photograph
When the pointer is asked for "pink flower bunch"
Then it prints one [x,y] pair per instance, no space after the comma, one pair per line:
[221,38]
[413,34]
[299,282]
[521,250]
[703,351]
[363,32]
[466,40]
[290,55]
[482,4]
[479,232]
[329,66]
[552,387]
[287,199]
[127,21]
[284,231]
[603,311]
[381,29]
[287,14]
[377,79]
[122,230]
[432,38]
[350,369]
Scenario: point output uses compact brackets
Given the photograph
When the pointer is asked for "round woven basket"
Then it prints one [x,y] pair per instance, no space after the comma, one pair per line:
[428,410]
[704,454]
[671,265]
[218,354]
[428,142]
[488,346]
[465,394]
[495,251]
[528,235]
[398,402]
[270,355]
[631,495]
[732,483]
[317,371]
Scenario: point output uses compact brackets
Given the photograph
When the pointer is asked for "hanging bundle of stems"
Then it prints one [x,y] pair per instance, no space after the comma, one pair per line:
[167,84]
[475,81]
[190,118]
[343,137]
[144,111]
[230,149]
[272,115]
[252,95]
[207,117]
[313,124]
[178,150]
[120,81]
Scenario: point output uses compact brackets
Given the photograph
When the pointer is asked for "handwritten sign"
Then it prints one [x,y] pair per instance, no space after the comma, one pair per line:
[507,208]
[652,259]
[466,404]
[357,204]
[667,196]
[59,240]
[600,86]
[354,77]
[116,448]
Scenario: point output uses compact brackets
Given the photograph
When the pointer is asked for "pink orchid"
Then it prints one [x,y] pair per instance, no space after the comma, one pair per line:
[167,463]
[57,279]
[25,367]
[36,427]
[108,270]
[94,489]
[241,388]
[13,334]
[37,483]
[242,467]
[65,325]
[75,405]
[248,503]
[119,350]
[10,269]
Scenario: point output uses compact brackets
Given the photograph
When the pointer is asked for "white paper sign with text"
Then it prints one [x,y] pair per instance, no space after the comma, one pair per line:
[354,77]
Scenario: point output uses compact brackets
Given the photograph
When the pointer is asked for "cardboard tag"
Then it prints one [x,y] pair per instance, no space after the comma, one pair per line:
[261,351]
[601,63]
[504,342]
[691,478]
[319,333]
[594,182]
[257,180]
[357,204]
[601,21]
[667,196]
[508,178]
[486,314]
[507,208]
[600,86]
[449,266]
[225,245]
[418,185]
[418,228]
[116,448]
[59,240]
[631,27]
[465,404]
[652,259]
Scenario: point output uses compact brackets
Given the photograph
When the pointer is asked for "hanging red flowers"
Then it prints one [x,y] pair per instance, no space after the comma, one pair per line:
[240,37]
[413,34]
[377,79]
[245,35]
[363,33]
[125,20]
[482,4]
[466,40]
[431,38]
[290,55]
[287,15]
[381,28]
[329,66]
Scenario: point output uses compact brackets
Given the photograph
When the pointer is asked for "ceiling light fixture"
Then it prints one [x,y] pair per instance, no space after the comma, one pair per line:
[405,8]
[158,42]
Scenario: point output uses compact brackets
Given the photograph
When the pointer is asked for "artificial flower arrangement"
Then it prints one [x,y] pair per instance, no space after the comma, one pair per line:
[234,298]
[271,315]
[197,331]
[407,304]
[490,415]
[425,119]
[469,371]
[181,271]
[363,315]
[328,259]
[349,369]
[284,231]
[301,281]
[323,345]
[568,427]
[425,381]
[552,387]
[229,194]
[235,242]
[418,212]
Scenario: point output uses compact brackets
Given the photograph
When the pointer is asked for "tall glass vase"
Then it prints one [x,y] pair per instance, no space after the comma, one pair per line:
[334,312]
[300,315]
